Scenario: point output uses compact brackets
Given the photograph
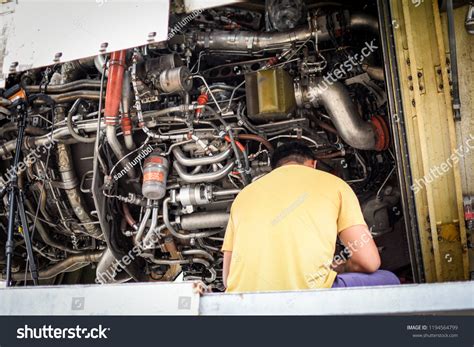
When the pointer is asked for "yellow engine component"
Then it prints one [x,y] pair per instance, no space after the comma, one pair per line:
[270,95]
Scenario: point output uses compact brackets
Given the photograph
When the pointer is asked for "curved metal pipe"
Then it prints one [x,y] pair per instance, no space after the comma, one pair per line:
[71,96]
[11,127]
[351,127]
[106,271]
[63,88]
[154,220]
[128,217]
[68,177]
[99,62]
[203,177]
[364,21]
[152,237]
[70,126]
[116,147]
[126,121]
[62,266]
[172,230]
[113,98]
[250,41]
[43,140]
[45,235]
[142,226]
[186,161]
[257,138]
[374,72]
[198,252]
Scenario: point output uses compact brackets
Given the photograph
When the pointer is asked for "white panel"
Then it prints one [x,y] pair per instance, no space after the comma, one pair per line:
[193,5]
[111,299]
[452,297]
[76,29]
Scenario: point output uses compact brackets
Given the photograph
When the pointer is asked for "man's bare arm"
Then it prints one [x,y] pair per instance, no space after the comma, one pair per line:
[364,253]
[226,266]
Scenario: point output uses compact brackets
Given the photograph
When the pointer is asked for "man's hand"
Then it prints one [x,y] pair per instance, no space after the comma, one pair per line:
[340,267]
[361,246]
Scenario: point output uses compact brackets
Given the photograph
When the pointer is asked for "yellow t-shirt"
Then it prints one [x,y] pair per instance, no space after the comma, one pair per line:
[283,228]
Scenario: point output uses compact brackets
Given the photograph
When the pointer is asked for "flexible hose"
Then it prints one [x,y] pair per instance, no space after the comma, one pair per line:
[70,126]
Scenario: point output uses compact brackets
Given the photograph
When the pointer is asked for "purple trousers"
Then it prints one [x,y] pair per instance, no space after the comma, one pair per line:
[356,279]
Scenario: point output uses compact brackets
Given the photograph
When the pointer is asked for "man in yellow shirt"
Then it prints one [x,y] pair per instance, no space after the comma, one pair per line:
[283,228]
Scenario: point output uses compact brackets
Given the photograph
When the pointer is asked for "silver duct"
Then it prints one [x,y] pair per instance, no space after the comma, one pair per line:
[249,41]
[107,269]
[203,220]
[186,161]
[203,177]
[69,264]
[334,97]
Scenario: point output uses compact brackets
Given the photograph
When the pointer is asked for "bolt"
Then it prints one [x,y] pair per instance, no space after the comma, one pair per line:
[420,74]
[103,46]
[421,87]
[411,88]
[413,102]
[440,86]
[410,78]
[57,56]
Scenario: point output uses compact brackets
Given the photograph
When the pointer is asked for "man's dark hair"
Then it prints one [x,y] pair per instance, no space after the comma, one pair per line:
[294,151]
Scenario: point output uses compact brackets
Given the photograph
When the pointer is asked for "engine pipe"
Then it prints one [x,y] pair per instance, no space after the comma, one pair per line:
[113,97]
[335,98]
[203,177]
[249,41]
[126,121]
[113,93]
[183,160]
[172,230]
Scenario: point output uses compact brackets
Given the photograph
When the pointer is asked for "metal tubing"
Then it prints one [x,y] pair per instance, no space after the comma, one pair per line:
[249,41]
[203,177]
[68,176]
[204,220]
[62,266]
[186,161]
[351,127]
[172,230]
[63,88]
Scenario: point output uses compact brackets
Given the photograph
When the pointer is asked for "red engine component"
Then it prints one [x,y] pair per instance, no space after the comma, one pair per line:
[382,133]
[114,87]
[201,100]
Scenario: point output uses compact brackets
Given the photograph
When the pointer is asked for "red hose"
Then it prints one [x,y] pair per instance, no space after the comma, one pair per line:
[237,143]
[113,94]
[257,138]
